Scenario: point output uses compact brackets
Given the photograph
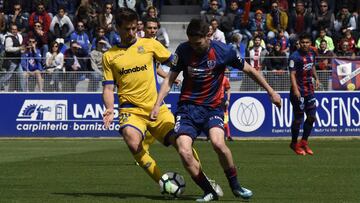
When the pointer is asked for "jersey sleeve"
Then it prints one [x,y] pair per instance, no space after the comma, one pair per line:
[292,63]
[161,54]
[108,77]
[177,65]
[233,59]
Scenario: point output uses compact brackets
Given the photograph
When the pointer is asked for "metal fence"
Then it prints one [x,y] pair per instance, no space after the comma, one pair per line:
[90,81]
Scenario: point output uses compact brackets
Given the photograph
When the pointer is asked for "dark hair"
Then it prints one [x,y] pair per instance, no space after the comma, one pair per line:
[125,15]
[154,20]
[52,44]
[304,35]
[197,27]
[323,41]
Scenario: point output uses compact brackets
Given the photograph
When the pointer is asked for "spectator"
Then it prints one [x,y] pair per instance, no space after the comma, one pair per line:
[344,50]
[300,21]
[96,54]
[256,54]
[31,63]
[162,36]
[317,6]
[40,16]
[251,42]
[284,5]
[307,5]
[344,21]
[323,36]
[212,12]
[13,49]
[325,56]
[258,23]
[74,62]
[151,12]
[276,65]
[238,45]
[61,25]
[68,5]
[19,18]
[26,7]
[324,64]
[242,26]
[100,35]
[54,67]
[107,21]
[81,37]
[2,23]
[349,38]
[261,5]
[217,34]
[227,23]
[126,3]
[207,6]
[282,40]
[140,29]
[324,18]
[41,37]
[295,46]
[276,20]
[87,14]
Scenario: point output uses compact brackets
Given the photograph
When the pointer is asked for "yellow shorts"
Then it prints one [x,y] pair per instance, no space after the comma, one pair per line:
[160,129]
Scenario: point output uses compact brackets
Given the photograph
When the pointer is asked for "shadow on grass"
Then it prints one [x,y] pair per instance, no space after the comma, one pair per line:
[123,195]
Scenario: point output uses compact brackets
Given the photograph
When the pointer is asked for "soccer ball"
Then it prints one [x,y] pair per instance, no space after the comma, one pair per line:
[172,183]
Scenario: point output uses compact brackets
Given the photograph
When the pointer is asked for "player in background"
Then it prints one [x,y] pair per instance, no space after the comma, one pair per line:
[137,90]
[226,92]
[199,109]
[302,71]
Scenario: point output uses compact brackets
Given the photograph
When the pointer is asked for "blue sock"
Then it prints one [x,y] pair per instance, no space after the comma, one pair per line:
[231,175]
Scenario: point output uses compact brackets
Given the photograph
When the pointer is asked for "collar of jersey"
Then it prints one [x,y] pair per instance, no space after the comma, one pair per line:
[123,46]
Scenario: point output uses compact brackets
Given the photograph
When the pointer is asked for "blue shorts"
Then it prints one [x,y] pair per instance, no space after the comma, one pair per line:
[193,119]
[304,104]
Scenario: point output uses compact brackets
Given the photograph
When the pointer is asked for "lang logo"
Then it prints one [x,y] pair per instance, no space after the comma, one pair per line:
[43,110]
[247,114]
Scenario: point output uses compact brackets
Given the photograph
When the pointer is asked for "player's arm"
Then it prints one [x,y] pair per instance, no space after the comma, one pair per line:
[317,81]
[259,79]
[163,74]
[164,91]
[108,98]
[108,92]
[294,85]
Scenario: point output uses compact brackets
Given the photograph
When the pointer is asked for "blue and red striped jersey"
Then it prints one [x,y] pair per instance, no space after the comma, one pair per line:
[302,63]
[203,75]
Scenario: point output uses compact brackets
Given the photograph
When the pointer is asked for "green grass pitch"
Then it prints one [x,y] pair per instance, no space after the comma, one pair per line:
[102,170]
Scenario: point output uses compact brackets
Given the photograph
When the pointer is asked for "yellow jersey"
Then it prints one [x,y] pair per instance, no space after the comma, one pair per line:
[133,70]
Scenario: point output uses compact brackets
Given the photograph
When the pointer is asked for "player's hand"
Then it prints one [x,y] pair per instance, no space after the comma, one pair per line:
[297,94]
[108,117]
[154,113]
[276,99]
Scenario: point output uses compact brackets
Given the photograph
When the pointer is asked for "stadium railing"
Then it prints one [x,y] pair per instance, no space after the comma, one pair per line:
[90,81]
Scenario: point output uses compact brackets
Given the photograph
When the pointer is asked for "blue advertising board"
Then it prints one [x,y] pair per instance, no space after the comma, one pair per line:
[251,115]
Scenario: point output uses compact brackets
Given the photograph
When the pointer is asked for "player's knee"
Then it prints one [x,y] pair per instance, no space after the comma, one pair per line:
[219,147]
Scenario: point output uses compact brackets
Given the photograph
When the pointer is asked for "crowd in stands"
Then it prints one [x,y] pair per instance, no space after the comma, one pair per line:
[57,36]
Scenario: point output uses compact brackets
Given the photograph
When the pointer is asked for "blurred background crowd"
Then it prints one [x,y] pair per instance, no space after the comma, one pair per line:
[62,36]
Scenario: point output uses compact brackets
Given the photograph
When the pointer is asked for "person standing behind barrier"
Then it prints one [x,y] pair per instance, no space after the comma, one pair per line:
[54,67]
[302,71]
[13,49]
[31,64]
[75,62]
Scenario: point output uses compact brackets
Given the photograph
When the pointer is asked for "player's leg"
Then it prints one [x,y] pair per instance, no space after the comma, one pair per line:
[298,111]
[148,140]
[216,135]
[308,125]
[132,129]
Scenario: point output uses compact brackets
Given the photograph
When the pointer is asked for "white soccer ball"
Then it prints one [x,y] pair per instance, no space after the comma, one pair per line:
[172,183]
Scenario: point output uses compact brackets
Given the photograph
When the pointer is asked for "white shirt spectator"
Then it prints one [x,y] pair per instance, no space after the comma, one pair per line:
[218,35]
[65,20]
